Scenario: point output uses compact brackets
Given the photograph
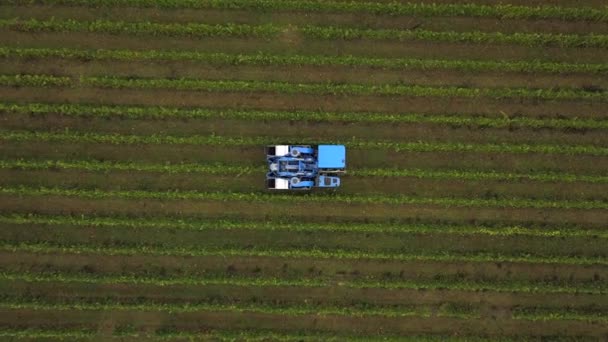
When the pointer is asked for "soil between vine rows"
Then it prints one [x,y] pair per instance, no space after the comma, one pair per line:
[311,323]
[413,49]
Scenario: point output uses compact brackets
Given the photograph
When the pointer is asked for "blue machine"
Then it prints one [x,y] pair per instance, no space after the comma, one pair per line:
[302,167]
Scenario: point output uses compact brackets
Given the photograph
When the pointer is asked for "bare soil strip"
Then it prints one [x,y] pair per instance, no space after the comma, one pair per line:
[297,74]
[338,270]
[491,305]
[341,212]
[253,182]
[290,44]
[338,324]
[360,20]
[253,155]
[562,3]
[308,102]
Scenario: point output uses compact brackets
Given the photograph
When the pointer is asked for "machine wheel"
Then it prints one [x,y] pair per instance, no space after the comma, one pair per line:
[294,181]
[295,153]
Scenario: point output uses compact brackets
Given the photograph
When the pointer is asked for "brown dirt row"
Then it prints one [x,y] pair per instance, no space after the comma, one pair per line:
[324,269]
[360,20]
[310,102]
[305,130]
[411,186]
[299,74]
[562,3]
[253,155]
[340,212]
[149,321]
[293,44]
[491,305]
[285,239]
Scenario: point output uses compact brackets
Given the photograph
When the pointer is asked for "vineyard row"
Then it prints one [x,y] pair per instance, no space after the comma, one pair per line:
[216,140]
[162,113]
[271,31]
[364,7]
[130,249]
[185,223]
[264,59]
[228,169]
[303,88]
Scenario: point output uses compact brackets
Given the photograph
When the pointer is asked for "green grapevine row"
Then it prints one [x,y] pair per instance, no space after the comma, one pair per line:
[35,81]
[99,166]
[140,28]
[263,59]
[307,198]
[227,169]
[304,88]
[546,314]
[225,336]
[215,140]
[257,335]
[230,280]
[291,309]
[365,7]
[31,334]
[270,31]
[194,224]
[482,257]
[341,89]
[155,112]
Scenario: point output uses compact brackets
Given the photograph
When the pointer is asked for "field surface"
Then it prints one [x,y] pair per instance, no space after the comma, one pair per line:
[132,199]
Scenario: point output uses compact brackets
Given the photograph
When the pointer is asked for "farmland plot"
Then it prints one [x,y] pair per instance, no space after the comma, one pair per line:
[132,203]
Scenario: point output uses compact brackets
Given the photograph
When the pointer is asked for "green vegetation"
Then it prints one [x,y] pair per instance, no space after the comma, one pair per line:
[303,88]
[341,89]
[482,257]
[227,169]
[269,31]
[34,81]
[438,283]
[47,334]
[215,140]
[366,7]
[479,175]
[258,335]
[362,310]
[165,113]
[474,37]
[263,59]
[229,336]
[591,314]
[98,166]
[306,88]
[307,198]
[141,28]
[371,263]
[203,225]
